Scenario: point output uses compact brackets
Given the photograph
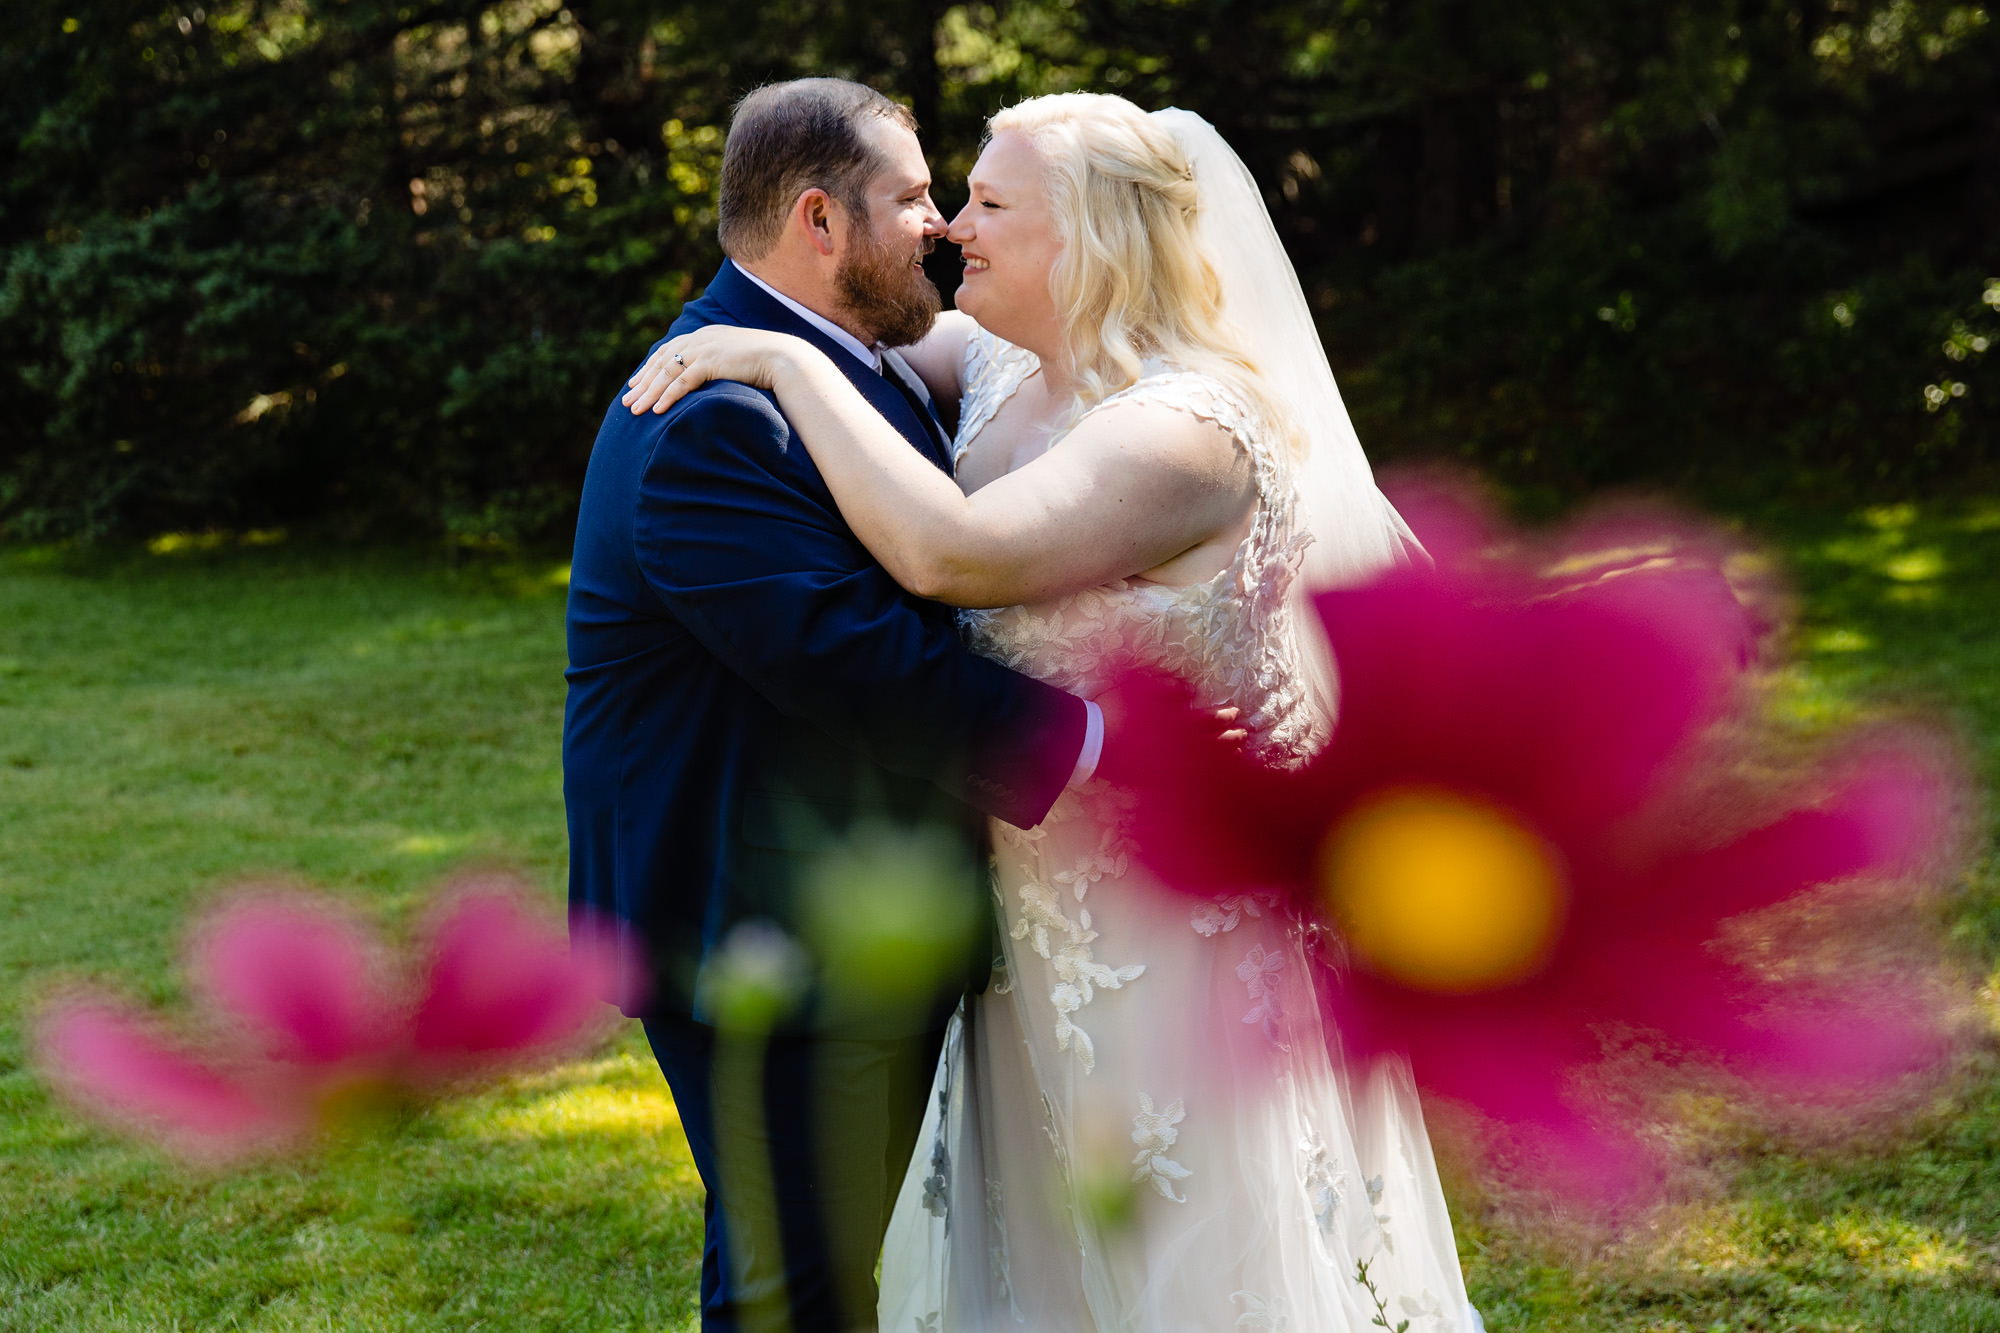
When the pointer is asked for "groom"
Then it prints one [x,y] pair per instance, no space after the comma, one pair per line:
[745,682]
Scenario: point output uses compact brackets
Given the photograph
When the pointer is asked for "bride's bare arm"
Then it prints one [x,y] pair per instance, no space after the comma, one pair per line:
[1130,488]
[938,358]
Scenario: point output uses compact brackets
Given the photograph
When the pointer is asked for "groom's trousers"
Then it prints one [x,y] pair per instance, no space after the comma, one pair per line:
[802,1143]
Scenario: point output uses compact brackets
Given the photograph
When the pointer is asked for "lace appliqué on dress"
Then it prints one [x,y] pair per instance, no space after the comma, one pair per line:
[937,1185]
[1260,1313]
[1226,913]
[1376,1187]
[1065,941]
[1055,1139]
[1259,974]
[1155,1132]
[1325,1184]
[1424,1306]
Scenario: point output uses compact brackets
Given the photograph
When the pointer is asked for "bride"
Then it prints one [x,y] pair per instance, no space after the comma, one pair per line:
[1141,1125]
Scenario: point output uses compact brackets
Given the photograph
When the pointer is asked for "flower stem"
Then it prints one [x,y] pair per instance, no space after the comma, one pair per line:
[1381,1319]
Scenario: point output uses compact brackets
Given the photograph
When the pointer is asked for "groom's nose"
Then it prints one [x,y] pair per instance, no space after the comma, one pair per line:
[934,221]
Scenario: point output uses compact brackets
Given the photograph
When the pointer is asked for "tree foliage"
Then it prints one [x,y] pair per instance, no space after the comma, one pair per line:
[383,264]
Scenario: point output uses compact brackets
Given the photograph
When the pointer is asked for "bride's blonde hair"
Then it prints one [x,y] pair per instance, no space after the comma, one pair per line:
[1134,279]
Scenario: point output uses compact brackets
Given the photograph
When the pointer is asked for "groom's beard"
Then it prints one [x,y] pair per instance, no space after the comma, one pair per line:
[883,291]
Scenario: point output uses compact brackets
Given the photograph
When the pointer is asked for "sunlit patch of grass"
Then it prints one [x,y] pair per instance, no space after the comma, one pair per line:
[617,1096]
[617,1112]
[1727,1244]
[430,844]
[1806,699]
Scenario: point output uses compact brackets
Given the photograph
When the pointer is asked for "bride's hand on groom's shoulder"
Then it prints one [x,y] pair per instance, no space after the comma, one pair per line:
[679,366]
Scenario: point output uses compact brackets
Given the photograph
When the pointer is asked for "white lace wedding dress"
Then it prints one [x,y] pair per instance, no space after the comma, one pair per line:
[1139,1126]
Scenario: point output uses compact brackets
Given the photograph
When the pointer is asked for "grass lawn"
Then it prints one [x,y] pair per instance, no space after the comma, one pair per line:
[173,723]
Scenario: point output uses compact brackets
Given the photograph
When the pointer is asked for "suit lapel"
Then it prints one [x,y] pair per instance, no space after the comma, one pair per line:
[751,306]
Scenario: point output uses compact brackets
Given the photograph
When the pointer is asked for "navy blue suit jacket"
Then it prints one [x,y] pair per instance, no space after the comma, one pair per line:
[745,679]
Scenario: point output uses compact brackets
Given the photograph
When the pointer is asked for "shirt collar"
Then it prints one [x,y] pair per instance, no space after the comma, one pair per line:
[868,356]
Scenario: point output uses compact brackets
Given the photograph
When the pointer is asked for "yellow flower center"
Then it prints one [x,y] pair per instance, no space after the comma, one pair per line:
[1440,892]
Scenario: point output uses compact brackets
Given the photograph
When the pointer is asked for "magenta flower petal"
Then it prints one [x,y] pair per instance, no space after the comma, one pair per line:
[1507,831]
[1571,699]
[1849,1041]
[609,953]
[500,982]
[119,1065]
[1629,670]
[1223,822]
[301,975]
[1889,814]
[1510,1063]
[1450,517]
[1506,1058]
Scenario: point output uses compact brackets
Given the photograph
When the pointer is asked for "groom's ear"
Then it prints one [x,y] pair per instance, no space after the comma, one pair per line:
[813,215]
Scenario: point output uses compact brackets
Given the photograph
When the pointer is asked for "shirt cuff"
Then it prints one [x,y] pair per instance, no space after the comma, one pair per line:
[1093,744]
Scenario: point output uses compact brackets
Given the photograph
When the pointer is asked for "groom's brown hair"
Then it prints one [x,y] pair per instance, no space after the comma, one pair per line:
[787,138]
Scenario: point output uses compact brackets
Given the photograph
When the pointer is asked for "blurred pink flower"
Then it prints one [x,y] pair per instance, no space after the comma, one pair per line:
[1507,833]
[498,982]
[118,1062]
[321,1025]
[306,980]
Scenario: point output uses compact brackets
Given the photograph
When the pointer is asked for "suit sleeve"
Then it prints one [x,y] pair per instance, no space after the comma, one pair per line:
[737,536]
